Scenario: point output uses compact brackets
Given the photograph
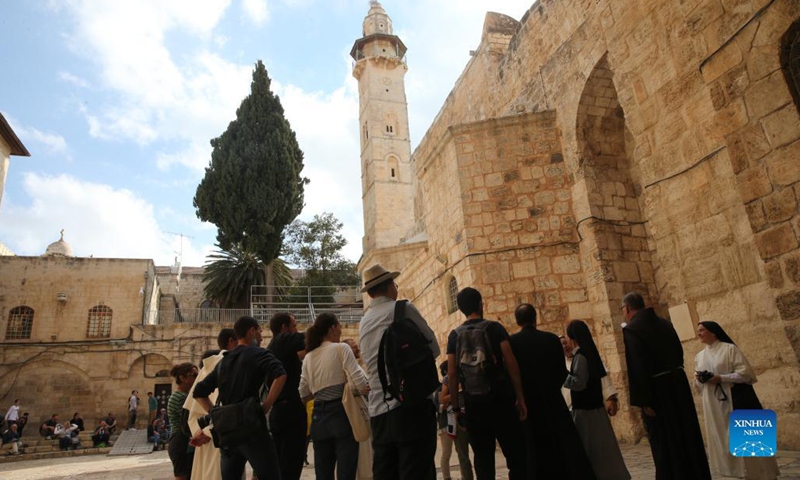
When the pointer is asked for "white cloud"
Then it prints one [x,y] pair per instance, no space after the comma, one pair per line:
[73,79]
[256,11]
[99,220]
[32,138]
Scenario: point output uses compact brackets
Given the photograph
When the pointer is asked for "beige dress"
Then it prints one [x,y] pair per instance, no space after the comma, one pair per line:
[206,463]
[726,360]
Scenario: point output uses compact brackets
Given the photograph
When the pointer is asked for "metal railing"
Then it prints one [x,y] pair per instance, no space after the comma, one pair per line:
[201,315]
[305,303]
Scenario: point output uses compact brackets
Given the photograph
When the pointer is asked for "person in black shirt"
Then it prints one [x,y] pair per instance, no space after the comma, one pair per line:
[498,415]
[288,420]
[245,369]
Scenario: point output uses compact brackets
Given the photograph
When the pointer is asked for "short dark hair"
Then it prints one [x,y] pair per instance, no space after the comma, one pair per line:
[243,325]
[149,393]
[633,300]
[181,370]
[380,288]
[278,320]
[225,335]
[469,301]
[443,368]
[525,314]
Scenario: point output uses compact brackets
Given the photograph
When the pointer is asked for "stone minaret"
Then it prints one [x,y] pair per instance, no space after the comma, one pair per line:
[386,177]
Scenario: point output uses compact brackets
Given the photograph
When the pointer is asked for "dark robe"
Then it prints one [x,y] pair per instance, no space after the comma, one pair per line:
[555,449]
[657,380]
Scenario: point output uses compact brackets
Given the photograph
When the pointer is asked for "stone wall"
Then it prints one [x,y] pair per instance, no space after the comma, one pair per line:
[98,377]
[679,138]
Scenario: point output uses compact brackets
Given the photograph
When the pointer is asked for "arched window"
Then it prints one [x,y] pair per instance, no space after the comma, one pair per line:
[99,325]
[790,60]
[452,292]
[20,323]
[394,168]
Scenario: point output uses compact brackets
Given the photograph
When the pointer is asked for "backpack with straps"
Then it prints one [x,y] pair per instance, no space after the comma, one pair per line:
[477,370]
[406,367]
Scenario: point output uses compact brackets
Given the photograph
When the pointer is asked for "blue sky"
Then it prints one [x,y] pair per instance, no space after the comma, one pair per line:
[117,100]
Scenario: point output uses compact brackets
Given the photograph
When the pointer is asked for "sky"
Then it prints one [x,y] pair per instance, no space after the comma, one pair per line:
[117,102]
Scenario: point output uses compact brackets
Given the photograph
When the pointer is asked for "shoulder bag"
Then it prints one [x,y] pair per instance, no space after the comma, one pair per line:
[356,408]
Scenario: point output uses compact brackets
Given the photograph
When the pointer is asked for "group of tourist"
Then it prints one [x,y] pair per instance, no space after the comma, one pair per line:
[547,401]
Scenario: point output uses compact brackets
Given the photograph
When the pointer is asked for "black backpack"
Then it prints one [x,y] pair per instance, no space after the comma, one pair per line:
[477,369]
[405,357]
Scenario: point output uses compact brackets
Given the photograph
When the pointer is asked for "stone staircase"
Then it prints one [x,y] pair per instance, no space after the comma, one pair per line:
[39,447]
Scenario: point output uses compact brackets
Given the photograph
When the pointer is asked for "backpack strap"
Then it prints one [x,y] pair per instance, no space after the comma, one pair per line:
[399,314]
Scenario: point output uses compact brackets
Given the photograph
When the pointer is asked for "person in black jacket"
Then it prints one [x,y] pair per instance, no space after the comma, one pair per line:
[244,371]
[658,385]
[554,450]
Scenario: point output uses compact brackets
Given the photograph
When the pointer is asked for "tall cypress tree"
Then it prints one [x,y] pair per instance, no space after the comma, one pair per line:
[253,188]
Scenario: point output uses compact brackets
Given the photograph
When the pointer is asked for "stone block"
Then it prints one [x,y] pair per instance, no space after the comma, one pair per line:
[792,264]
[783,164]
[626,272]
[754,183]
[783,126]
[724,60]
[763,61]
[567,264]
[776,241]
[772,270]
[756,215]
[780,206]
[746,146]
[789,305]
[767,95]
[524,269]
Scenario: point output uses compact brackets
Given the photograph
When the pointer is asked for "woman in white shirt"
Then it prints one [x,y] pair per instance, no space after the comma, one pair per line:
[718,367]
[327,367]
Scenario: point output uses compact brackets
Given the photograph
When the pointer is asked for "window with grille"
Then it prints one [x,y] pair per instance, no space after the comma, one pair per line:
[790,60]
[452,292]
[20,323]
[99,325]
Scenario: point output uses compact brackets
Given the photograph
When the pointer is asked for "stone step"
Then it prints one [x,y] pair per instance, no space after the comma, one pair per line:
[28,455]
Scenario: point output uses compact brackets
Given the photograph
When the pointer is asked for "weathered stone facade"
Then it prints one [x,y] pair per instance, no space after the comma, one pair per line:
[601,146]
[65,365]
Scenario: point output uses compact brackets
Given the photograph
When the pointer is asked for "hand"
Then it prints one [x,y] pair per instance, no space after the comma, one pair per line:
[612,406]
[199,439]
[715,379]
[649,411]
[522,409]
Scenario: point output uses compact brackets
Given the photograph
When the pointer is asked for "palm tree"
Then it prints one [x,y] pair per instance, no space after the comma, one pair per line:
[229,274]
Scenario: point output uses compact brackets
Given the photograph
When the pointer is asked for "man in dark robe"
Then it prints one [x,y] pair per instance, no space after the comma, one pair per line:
[555,449]
[659,386]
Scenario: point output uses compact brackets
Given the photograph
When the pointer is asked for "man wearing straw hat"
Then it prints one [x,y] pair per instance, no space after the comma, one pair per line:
[403,437]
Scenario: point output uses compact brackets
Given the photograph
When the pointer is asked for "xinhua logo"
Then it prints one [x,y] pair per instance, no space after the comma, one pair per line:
[753,433]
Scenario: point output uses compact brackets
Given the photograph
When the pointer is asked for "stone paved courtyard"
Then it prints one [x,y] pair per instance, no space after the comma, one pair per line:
[156,466]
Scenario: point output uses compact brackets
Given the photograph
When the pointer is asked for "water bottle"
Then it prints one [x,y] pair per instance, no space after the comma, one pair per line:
[451,422]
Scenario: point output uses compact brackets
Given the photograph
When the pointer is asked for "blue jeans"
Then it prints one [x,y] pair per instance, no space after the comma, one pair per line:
[334,445]
[259,452]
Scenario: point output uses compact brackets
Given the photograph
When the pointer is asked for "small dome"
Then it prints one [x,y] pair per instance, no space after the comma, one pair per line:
[377,20]
[59,248]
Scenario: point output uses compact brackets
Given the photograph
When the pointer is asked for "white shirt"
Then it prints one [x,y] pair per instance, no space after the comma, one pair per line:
[12,415]
[328,365]
[379,316]
[133,403]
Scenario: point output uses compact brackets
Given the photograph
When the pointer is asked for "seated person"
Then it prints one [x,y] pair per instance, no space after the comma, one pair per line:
[48,428]
[67,435]
[157,433]
[101,435]
[111,423]
[77,420]
[11,440]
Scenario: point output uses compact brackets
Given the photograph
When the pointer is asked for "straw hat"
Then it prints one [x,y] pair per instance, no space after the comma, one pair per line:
[376,275]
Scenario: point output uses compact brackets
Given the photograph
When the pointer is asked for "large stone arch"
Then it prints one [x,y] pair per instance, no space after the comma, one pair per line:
[48,386]
[614,248]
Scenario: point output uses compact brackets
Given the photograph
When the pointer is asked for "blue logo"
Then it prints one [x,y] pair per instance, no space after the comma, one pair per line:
[753,433]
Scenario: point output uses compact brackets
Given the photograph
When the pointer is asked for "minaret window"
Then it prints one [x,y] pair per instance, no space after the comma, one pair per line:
[389,129]
[394,169]
[365,131]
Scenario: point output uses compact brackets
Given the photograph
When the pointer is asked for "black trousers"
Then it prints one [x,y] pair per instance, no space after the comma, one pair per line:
[288,422]
[404,443]
[258,451]
[491,421]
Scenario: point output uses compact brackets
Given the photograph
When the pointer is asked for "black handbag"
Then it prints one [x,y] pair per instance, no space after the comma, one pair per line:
[236,423]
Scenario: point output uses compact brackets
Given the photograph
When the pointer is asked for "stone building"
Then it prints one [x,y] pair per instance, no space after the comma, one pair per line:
[79,334]
[595,147]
